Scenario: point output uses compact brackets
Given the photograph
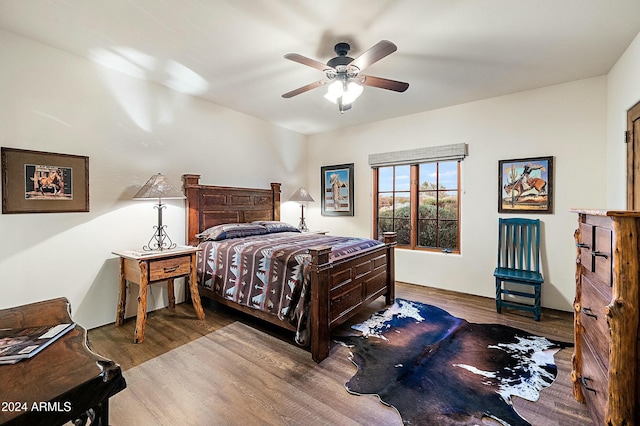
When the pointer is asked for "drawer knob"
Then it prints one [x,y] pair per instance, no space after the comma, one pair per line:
[584,383]
[171,269]
[582,245]
[599,254]
[588,312]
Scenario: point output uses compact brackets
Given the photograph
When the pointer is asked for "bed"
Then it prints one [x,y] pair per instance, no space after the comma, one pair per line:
[338,285]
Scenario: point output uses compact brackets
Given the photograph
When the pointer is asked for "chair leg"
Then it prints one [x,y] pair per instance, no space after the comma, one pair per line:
[498,296]
[536,304]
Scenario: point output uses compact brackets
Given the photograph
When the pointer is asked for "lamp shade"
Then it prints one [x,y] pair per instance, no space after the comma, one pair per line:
[301,195]
[158,188]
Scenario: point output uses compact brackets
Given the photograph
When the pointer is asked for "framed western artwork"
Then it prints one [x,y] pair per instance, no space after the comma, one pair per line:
[44,182]
[337,190]
[525,185]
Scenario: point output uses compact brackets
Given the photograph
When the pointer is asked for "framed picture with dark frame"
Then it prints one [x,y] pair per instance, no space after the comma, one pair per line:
[525,185]
[337,190]
[44,182]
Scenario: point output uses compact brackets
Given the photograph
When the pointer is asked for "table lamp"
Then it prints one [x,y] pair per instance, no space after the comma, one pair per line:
[159,188]
[301,196]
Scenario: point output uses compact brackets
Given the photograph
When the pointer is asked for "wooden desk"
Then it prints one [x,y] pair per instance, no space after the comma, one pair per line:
[150,268]
[64,382]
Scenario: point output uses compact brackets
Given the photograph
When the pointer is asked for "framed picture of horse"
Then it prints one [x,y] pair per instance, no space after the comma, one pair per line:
[44,182]
[337,190]
[525,185]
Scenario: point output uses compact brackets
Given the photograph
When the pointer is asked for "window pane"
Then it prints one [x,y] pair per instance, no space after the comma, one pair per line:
[402,206]
[385,179]
[448,175]
[427,202]
[385,225]
[385,203]
[427,176]
[448,234]
[386,214]
[403,229]
[403,178]
[427,233]
[448,205]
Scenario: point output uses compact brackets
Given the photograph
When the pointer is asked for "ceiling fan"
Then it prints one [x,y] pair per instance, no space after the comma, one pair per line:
[343,74]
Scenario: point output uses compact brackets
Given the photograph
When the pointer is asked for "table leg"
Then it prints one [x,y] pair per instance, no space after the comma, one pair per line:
[122,297]
[170,294]
[141,318]
[102,413]
[193,286]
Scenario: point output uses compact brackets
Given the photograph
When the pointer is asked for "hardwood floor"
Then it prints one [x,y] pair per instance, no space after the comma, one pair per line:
[231,369]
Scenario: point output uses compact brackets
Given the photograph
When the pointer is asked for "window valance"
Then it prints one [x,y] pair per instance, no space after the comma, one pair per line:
[420,155]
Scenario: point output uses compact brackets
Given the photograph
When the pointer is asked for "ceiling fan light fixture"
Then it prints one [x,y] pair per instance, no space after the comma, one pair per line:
[334,91]
[337,90]
[354,90]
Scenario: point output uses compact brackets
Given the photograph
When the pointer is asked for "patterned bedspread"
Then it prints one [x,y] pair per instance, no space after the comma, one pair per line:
[270,272]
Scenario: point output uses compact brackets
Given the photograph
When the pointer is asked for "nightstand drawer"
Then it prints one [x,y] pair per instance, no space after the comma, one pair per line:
[163,269]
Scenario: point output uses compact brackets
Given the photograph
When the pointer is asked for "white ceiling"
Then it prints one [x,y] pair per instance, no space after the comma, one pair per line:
[231,51]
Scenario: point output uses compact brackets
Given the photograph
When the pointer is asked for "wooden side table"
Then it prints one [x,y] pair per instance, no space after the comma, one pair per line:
[65,382]
[145,268]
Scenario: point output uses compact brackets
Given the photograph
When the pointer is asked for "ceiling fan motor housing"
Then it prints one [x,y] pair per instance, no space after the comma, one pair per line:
[342,59]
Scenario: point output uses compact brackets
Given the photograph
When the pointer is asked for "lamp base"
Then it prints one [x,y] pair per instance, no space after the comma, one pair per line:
[160,240]
[302,225]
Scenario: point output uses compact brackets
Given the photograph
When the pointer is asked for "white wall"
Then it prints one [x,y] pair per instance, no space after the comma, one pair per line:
[623,92]
[56,102]
[566,121]
[131,129]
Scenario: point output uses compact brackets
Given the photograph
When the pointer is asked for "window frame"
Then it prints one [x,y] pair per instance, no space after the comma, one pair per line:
[414,189]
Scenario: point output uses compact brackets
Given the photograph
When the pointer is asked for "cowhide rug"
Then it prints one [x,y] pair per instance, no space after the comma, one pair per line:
[436,369]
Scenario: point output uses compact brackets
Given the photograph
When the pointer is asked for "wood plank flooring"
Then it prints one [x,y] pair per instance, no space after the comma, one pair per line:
[232,370]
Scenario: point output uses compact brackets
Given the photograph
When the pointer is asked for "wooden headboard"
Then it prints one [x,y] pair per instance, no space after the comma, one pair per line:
[209,205]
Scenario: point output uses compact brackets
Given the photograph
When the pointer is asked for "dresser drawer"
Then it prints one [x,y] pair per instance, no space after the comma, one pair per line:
[163,269]
[586,246]
[594,383]
[595,251]
[594,320]
[602,255]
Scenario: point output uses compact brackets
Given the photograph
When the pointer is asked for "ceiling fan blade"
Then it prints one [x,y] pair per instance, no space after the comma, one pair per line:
[374,54]
[303,89]
[306,61]
[383,83]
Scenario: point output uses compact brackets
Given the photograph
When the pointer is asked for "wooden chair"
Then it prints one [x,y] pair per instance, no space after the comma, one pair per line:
[519,263]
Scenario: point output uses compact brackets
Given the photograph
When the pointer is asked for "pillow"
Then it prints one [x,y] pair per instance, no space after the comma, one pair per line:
[274,226]
[232,230]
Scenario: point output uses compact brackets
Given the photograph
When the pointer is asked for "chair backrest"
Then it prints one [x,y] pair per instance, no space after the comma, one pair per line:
[519,244]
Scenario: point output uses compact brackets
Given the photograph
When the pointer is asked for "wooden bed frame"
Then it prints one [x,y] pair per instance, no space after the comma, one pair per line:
[338,289]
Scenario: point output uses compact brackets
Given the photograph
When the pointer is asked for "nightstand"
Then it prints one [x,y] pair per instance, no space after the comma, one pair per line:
[145,268]
[312,231]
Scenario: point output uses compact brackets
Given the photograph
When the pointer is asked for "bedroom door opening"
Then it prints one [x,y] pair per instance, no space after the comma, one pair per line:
[633,157]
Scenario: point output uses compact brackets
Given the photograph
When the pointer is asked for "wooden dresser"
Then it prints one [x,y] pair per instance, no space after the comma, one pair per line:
[605,362]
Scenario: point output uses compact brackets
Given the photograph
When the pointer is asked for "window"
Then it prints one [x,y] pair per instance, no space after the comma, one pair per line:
[421,203]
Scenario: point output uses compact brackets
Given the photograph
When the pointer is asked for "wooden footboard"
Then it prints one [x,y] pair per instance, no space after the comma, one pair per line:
[340,289]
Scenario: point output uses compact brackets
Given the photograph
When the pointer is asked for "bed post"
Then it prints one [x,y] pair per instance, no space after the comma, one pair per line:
[390,241]
[275,192]
[320,321]
[190,186]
